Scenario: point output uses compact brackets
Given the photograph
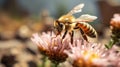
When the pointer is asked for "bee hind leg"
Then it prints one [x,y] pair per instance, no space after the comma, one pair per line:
[83,35]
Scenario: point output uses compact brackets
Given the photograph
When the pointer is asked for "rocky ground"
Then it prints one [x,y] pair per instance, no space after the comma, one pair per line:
[15,53]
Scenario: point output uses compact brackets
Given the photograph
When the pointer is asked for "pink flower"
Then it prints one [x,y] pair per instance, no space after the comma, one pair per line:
[51,46]
[115,21]
[85,54]
[115,29]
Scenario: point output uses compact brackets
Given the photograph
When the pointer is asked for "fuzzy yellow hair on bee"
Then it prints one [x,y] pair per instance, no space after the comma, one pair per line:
[68,23]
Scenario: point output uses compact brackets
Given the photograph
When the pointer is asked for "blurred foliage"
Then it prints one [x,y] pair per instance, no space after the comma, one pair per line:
[110,44]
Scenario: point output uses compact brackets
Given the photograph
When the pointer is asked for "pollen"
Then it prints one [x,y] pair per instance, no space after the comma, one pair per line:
[87,60]
[90,54]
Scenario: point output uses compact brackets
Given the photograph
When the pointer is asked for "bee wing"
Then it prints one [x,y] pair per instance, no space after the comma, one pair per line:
[76,9]
[86,18]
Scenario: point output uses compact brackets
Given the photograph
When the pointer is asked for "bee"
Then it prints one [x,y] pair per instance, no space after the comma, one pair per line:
[68,23]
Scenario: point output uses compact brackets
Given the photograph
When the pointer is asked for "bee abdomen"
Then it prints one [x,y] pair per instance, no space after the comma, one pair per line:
[88,29]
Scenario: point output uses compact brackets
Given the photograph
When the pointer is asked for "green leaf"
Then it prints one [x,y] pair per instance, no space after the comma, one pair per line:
[110,44]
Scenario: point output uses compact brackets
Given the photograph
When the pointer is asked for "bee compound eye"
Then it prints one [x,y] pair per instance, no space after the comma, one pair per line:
[61,24]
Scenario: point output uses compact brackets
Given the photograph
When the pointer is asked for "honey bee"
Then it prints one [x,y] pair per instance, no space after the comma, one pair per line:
[68,23]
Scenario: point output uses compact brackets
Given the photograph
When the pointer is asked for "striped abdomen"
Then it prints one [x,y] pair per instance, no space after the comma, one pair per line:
[87,28]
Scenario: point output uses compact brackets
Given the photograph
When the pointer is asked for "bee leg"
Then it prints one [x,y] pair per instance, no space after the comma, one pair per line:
[64,35]
[83,34]
[58,33]
[71,34]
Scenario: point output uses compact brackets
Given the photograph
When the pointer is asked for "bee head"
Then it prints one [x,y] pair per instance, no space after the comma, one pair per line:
[58,26]
[62,22]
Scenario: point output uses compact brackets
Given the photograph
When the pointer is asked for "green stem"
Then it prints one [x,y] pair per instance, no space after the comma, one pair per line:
[55,64]
[44,61]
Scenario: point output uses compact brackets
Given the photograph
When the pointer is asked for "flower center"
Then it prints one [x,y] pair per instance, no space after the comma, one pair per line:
[90,55]
[86,59]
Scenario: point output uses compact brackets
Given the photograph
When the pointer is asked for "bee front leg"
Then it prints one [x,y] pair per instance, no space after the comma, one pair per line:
[58,33]
[83,35]
[64,35]
[71,34]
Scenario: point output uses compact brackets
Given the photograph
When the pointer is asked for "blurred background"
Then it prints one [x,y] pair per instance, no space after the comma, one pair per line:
[19,19]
